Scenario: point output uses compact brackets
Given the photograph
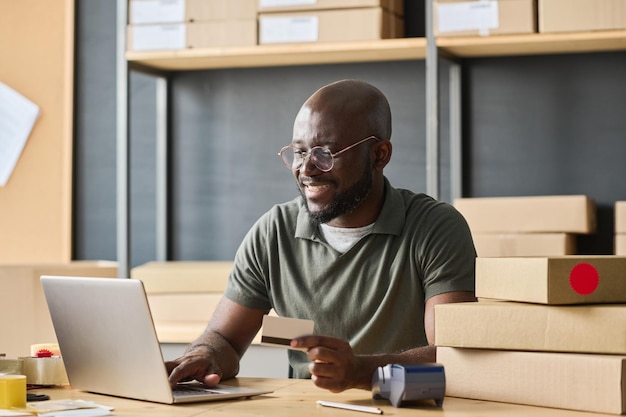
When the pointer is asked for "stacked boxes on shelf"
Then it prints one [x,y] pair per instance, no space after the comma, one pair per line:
[180,24]
[298,21]
[620,228]
[527,226]
[548,332]
[581,15]
[484,18]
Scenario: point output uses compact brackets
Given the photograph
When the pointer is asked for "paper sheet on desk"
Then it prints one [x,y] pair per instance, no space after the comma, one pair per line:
[17,118]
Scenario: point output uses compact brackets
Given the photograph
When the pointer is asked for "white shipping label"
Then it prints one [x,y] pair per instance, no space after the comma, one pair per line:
[475,15]
[157,11]
[288,29]
[158,37]
[282,3]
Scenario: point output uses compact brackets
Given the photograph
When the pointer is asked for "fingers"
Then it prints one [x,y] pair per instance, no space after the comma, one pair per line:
[311,341]
[193,366]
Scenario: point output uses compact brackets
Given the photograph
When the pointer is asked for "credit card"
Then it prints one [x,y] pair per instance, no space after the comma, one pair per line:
[278,331]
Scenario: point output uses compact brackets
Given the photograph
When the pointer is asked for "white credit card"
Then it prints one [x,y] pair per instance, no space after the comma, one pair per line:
[278,331]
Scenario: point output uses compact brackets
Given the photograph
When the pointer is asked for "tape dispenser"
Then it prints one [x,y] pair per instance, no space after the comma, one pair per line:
[400,383]
[44,366]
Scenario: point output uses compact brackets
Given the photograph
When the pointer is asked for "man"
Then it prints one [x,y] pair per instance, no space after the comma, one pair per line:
[365,261]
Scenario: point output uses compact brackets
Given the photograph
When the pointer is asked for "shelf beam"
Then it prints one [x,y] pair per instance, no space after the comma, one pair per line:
[282,55]
[533,44]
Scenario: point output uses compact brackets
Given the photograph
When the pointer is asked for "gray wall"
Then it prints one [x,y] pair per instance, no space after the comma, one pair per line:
[532,126]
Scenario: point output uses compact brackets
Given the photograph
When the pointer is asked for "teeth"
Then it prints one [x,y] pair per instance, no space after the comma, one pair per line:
[316,187]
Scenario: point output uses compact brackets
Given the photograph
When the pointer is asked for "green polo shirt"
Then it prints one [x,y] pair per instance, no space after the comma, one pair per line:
[373,295]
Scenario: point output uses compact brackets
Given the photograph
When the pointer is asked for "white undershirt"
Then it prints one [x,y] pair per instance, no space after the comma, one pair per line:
[343,238]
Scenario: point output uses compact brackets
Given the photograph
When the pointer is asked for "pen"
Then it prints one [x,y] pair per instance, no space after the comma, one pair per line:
[353,407]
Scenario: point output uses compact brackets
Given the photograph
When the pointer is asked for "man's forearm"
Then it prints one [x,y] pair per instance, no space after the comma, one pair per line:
[367,364]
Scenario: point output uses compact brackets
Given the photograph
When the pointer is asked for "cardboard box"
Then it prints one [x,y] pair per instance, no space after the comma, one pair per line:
[532,327]
[24,317]
[395,6]
[572,381]
[620,245]
[176,277]
[549,214]
[581,15]
[181,11]
[483,18]
[175,36]
[575,279]
[524,244]
[181,318]
[620,217]
[329,26]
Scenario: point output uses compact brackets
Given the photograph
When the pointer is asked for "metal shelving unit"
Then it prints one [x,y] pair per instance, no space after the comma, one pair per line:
[432,49]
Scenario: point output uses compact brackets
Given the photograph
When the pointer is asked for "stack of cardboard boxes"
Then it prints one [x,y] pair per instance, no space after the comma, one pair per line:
[295,21]
[508,17]
[620,228]
[528,226]
[183,296]
[180,24]
[547,331]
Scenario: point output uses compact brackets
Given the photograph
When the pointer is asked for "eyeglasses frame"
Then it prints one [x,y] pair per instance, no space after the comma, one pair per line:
[332,155]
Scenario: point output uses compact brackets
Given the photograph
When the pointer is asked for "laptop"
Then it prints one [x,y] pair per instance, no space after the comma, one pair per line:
[109,345]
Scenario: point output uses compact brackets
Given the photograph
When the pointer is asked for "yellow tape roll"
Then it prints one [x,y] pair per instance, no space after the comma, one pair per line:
[12,391]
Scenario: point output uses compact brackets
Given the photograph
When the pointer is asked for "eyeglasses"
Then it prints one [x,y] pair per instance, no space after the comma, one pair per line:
[322,158]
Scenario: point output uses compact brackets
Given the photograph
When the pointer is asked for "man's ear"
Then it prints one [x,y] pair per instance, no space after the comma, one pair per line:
[382,154]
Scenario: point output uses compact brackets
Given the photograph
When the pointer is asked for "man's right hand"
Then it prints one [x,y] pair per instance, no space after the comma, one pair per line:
[198,363]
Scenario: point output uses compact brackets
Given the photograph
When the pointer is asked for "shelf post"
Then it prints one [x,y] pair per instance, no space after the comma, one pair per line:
[122,152]
[162,174]
[432,106]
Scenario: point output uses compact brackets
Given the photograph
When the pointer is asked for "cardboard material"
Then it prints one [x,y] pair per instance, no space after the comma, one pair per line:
[549,214]
[620,217]
[575,279]
[24,317]
[532,327]
[180,11]
[571,381]
[395,6]
[581,15]
[181,318]
[175,277]
[347,25]
[524,244]
[208,34]
[620,244]
[483,18]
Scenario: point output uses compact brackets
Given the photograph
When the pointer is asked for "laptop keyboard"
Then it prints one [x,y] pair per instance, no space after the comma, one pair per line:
[186,390]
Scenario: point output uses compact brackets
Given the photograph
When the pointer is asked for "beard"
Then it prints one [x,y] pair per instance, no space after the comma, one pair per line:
[345,202]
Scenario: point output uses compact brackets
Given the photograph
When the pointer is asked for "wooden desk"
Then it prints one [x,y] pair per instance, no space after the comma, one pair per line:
[293,397]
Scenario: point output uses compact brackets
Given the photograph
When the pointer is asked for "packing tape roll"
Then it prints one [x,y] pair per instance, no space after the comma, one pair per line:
[12,391]
[44,371]
[10,366]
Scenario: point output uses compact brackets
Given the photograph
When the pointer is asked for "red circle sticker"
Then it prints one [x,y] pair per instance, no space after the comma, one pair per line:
[584,278]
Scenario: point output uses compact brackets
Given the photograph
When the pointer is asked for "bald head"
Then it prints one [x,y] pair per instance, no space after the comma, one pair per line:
[350,106]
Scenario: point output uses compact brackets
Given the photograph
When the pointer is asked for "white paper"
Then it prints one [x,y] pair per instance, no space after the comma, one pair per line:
[17,118]
[158,37]
[288,29]
[280,3]
[476,15]
[157,11]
